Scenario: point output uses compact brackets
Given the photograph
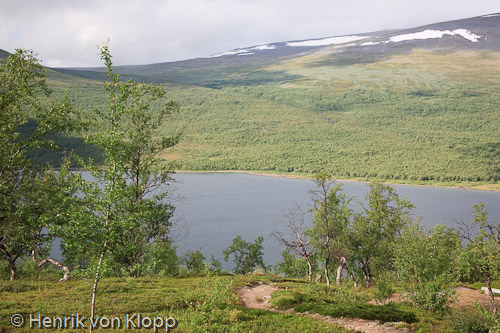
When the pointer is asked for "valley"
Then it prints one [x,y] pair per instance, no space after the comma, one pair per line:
[399,106]
[340,250]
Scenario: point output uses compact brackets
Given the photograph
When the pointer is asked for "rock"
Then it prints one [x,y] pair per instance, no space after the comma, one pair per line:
[258,271]
[495,291]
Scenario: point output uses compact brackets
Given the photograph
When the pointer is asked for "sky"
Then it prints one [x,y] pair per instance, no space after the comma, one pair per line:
[67,33]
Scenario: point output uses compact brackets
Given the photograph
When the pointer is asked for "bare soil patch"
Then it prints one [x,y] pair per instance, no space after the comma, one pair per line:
[468,296]
[258,297]
[368,326]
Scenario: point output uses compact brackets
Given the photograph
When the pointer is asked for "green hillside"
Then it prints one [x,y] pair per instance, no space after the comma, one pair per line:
[420,117]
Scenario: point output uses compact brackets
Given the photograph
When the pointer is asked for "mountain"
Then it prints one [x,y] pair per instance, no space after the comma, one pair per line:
[3,54]
[477,33]
[416,105]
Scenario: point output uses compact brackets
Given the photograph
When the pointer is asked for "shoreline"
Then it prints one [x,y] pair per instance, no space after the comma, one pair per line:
[305,177]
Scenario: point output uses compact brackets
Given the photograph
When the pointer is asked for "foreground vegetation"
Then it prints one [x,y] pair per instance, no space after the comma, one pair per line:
[210,303]
[197,304]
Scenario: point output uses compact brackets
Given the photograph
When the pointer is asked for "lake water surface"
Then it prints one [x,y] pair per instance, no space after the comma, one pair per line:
[213,208]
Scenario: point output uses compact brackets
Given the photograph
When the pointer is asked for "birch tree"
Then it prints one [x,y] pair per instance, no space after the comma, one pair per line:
[246,256]
[425,259]
[299,243]
[331,216]
[27,115]
[374,233]
[122,211]
[483,249]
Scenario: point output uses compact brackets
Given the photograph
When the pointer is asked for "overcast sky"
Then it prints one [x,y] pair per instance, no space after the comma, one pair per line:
[66,33]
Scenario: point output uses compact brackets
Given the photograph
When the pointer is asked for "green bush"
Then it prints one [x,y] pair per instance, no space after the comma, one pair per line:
[28,269]
[337,302]
[386,313]
[384,289]
[283,302]
[347,294]
[470,321]
[291,266]
[214,305]
[432,296]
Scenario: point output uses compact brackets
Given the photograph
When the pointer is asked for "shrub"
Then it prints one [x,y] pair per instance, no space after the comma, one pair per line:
[473,321]
[432,296]
[384,289]
[214,306]
[283,302]
[386,313]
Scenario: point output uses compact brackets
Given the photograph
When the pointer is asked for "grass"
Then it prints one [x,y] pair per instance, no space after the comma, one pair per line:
[479,285]
[338,302]
[197,304]
[385,313]
[202,304]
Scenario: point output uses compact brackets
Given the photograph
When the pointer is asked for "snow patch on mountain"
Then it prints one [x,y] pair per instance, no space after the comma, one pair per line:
[358,40]
[428,34]
[233,52]
[326,41]
[467,35]
[264,47]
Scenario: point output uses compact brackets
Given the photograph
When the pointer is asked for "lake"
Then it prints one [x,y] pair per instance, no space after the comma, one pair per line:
[213,208]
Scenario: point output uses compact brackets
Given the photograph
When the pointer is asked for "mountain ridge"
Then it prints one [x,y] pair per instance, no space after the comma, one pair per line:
[486,26]
[212,71]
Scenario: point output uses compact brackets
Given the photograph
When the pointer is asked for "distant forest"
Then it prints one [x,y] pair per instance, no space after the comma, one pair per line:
[423,124]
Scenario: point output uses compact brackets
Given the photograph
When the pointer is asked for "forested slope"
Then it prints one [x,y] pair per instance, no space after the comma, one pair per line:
[422,110]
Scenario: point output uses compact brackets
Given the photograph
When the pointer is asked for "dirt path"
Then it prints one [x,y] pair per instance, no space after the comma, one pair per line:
[258,297]
[467,297]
